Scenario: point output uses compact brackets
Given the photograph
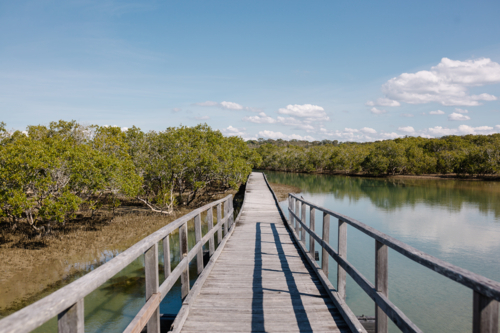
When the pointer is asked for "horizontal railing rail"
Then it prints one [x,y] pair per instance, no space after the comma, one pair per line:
[67,302]
[486,291]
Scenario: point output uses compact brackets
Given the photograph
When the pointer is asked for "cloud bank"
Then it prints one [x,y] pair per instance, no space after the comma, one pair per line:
[448,83]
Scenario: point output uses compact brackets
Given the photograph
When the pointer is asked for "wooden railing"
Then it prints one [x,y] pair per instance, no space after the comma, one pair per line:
[486,292]
[67,302]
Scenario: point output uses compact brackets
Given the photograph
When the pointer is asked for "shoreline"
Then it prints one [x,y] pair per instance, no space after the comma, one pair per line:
[33,268]
[450,176]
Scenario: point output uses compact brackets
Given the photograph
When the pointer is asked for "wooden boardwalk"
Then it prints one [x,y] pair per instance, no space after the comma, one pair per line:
[261,282]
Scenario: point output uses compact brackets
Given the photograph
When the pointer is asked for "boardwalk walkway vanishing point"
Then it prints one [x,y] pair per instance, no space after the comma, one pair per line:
[261,282]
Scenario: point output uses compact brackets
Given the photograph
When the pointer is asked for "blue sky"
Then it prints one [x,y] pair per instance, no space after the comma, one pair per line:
[347,71]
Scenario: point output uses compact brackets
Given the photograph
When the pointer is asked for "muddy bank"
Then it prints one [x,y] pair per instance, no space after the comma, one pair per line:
[282,190]
[32,267]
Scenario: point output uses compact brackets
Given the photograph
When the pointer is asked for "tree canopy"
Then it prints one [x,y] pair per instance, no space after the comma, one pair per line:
[464,155]
[48,172]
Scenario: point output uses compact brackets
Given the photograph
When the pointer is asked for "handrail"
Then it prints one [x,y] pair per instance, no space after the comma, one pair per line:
[486,291]
[344,310]
[67,302]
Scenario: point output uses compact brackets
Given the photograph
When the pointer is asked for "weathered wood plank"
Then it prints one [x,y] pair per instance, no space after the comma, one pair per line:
[342,247]
[381,285]
[72,319]
[152,284]
[260,281]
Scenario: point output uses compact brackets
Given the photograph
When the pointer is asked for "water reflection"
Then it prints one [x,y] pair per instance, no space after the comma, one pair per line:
[454,220]
[393,193]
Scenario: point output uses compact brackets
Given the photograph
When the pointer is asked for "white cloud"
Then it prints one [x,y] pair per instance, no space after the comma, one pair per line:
[231,106]
[463,129]
[124,129]
[233,131]
[377,111]
[461,110]
[202,118]
[175,110]
[407,115]
[262,118]
[383,102]
[447,83]
[406,129]
[390,135]
[305,111]
[437,112]
[457,116]
[368,130]
[351,130]
[279,135]
[304,124]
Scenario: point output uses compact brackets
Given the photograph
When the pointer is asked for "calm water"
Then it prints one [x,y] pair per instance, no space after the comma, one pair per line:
[456,221]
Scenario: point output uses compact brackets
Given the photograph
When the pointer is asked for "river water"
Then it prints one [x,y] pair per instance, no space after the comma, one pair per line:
[455,220]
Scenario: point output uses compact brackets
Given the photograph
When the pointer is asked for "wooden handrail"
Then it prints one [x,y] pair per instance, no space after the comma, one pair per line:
[67,302]
[486,291]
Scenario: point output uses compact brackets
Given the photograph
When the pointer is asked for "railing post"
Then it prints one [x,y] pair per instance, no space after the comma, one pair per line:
[381,284]
[226,217]
[210,222]
[485,314]
[297,213]
[303,218]
[231,212]
[341,274]
[290,206]
[151,267]
[166,256]
[183,244]
[326,239]
[71,320]
[312,223]
[197,236]
[219,221]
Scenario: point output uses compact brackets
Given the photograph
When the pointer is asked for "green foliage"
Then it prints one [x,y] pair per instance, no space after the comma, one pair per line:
[48,172]
[184,162]
[463,155]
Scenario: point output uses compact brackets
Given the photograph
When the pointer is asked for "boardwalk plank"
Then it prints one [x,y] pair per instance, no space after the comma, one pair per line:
[261,282]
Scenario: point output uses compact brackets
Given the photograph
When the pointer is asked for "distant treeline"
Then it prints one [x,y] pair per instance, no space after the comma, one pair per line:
[48,173]
[463,155]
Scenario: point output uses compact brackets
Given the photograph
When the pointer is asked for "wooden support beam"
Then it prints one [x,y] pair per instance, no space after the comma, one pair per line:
[312,224]
[297,208]
[167,267]
[291,204]
[151,267]
[183,245]
[381,284]
[485,314]
[197,236]
[326,239]
[226,220]
[71,320]
[219,220]
[210,222]
[303,217]
[341,274]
